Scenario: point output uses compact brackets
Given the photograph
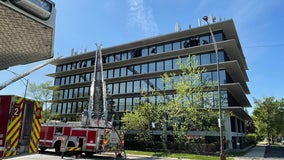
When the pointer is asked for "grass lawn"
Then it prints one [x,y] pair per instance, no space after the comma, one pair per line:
[177,155]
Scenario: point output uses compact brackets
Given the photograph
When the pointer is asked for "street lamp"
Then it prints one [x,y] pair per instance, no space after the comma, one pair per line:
[222,155]
[26,84]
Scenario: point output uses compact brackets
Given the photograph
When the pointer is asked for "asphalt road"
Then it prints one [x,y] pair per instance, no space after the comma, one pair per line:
[274,152]
[108,156]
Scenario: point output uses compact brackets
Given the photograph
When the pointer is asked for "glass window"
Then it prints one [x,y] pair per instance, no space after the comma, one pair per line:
[70,93]
[115,88]
[110,73]
[136,86]
[137,69]
[128,104]
[168,47]
[59,108]
[213,57]
[105,74]
[117,57]
[152,67]
[58,68]
[116,72]
[72,79]
[69,107]
[121,105]
[115,104]
[144,85]
[88,77]
[80,107]
[89,63]
[160,99]
[87,91]
[123,71]
[129,87]
[122,88]
[218,37]
[151,84]
[109,88]
[65,96]
[144,68]
[176,45]
[69,67]
[124,56]
[57,81]
[53,108]
[75,92]
[129,70]
[82,77]
[160,66]
[160,48]
[145,52]
[67,79]
[206,76]
[81,92]
[84,63]
[129,55]
[205,59]
[168,64]
[62,80]
[204,40]
[111,58]
[221,56]
[64,107]
[74,107]
[160,84]
[175,63]
[136,101]
[224,99]
[77,78]
[223,79]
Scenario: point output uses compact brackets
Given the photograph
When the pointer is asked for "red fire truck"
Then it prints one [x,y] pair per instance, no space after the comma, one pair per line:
[19,125]
[70,137]
[95,133]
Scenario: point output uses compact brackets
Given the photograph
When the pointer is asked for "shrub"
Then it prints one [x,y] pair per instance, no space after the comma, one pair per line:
[251,138]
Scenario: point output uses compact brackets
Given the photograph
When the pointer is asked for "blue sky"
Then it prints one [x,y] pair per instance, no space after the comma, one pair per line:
[80,24]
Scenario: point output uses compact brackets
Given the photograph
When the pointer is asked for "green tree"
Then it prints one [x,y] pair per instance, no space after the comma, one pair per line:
[43,92]
[188,109]
[268,118]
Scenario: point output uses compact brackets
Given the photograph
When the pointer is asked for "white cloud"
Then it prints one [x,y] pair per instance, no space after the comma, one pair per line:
[142,18]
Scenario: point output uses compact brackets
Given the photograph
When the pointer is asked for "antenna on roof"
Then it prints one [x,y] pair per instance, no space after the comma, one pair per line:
[177,28]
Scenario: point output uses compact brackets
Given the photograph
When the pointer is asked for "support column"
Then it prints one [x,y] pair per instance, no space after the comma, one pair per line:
[228,132]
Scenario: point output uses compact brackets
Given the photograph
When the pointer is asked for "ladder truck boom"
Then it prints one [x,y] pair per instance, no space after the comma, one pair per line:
[97,113]
[18,77]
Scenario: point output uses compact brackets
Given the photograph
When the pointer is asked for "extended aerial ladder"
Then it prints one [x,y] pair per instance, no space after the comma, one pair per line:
[97,114]
[18,77]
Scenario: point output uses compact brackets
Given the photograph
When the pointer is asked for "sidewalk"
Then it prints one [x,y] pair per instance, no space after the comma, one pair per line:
[256,153]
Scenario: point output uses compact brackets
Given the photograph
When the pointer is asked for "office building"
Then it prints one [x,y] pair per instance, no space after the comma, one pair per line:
[135,66]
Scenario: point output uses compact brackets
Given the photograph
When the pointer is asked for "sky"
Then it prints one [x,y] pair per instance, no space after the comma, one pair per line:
[80,24]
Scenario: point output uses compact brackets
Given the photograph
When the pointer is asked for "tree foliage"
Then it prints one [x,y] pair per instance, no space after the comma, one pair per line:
[185,111]
[42,92]
[268,117]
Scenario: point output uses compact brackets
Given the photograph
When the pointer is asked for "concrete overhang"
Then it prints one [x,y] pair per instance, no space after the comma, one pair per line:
[24,39]
[239,112]
[237,92]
